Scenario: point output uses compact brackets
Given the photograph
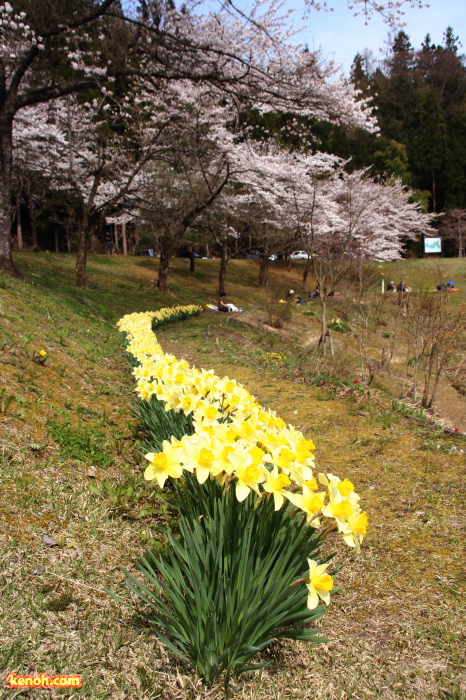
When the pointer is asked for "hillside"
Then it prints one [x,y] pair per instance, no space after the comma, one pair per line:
[396,628]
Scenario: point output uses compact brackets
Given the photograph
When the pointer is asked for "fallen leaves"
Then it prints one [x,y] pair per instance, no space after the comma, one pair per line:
[50,541]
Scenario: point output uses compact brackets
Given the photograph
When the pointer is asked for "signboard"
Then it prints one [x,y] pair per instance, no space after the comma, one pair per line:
[432,245]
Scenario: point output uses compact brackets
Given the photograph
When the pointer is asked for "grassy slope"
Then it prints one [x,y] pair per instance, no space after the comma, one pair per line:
[396,629]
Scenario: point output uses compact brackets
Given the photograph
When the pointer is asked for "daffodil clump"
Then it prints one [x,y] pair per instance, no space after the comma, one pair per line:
[240,444]
[173,313]
[337,324]
[272,358]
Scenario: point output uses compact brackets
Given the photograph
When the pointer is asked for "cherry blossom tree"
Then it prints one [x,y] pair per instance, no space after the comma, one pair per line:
[188,173]
[51,50]
[364,220]
[392,11]
[88,152]
[283,197]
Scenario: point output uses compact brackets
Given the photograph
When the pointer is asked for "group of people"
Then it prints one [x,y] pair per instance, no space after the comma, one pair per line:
[400,287]
[224,306]
[316,293]
[447,287]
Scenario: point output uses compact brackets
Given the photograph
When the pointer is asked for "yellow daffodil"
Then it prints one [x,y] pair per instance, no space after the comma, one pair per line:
[319,584]
[356,526]
[276,484]
[234,437]
[345,487]
[164,464]
[309,502]
[206,412]
[248,474]
[201,455]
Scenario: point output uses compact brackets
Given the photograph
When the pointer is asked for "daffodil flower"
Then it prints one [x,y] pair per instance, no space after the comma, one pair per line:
[248,474]
[309,502]
[164,464]
[202,455]
[319,584]
[275,484]
[345,487]
[357,526]
[339,508]
[207,413]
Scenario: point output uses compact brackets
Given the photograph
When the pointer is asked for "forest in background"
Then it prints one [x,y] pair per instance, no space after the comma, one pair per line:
[419,96]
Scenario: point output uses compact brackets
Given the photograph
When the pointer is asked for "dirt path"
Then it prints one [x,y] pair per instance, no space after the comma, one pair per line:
[451,406]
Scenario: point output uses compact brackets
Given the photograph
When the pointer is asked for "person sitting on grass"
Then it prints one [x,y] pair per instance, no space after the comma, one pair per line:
[223,306]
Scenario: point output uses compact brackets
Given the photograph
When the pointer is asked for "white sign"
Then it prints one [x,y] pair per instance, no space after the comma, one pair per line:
[432,245]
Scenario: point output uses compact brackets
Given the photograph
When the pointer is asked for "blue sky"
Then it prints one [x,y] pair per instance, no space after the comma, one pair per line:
[340,35]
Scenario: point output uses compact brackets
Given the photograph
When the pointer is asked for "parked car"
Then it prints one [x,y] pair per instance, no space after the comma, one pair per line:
[147,253]
[273,257]
[252,255]
[299,255]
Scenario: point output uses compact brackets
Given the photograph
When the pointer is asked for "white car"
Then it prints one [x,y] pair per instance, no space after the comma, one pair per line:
[299,255]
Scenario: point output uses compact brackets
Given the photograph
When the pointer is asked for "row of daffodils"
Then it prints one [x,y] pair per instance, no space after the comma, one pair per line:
[238,442]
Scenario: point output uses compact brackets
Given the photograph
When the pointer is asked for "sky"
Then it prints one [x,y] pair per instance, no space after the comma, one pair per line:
[340,35]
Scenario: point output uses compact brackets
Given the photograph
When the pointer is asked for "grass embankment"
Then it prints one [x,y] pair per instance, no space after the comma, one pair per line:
[397,628]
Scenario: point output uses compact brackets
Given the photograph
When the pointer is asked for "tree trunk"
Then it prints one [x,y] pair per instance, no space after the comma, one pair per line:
[434,194]
[264,271]
[19,231]
[35,242]
[168,244]
[32,215]
[115,229]
[162,280]
[6,153]
[57,241]
[123,239]
[223,268]
[434,390]
[323,337]
[192,266]
[84,236]
[306,271]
